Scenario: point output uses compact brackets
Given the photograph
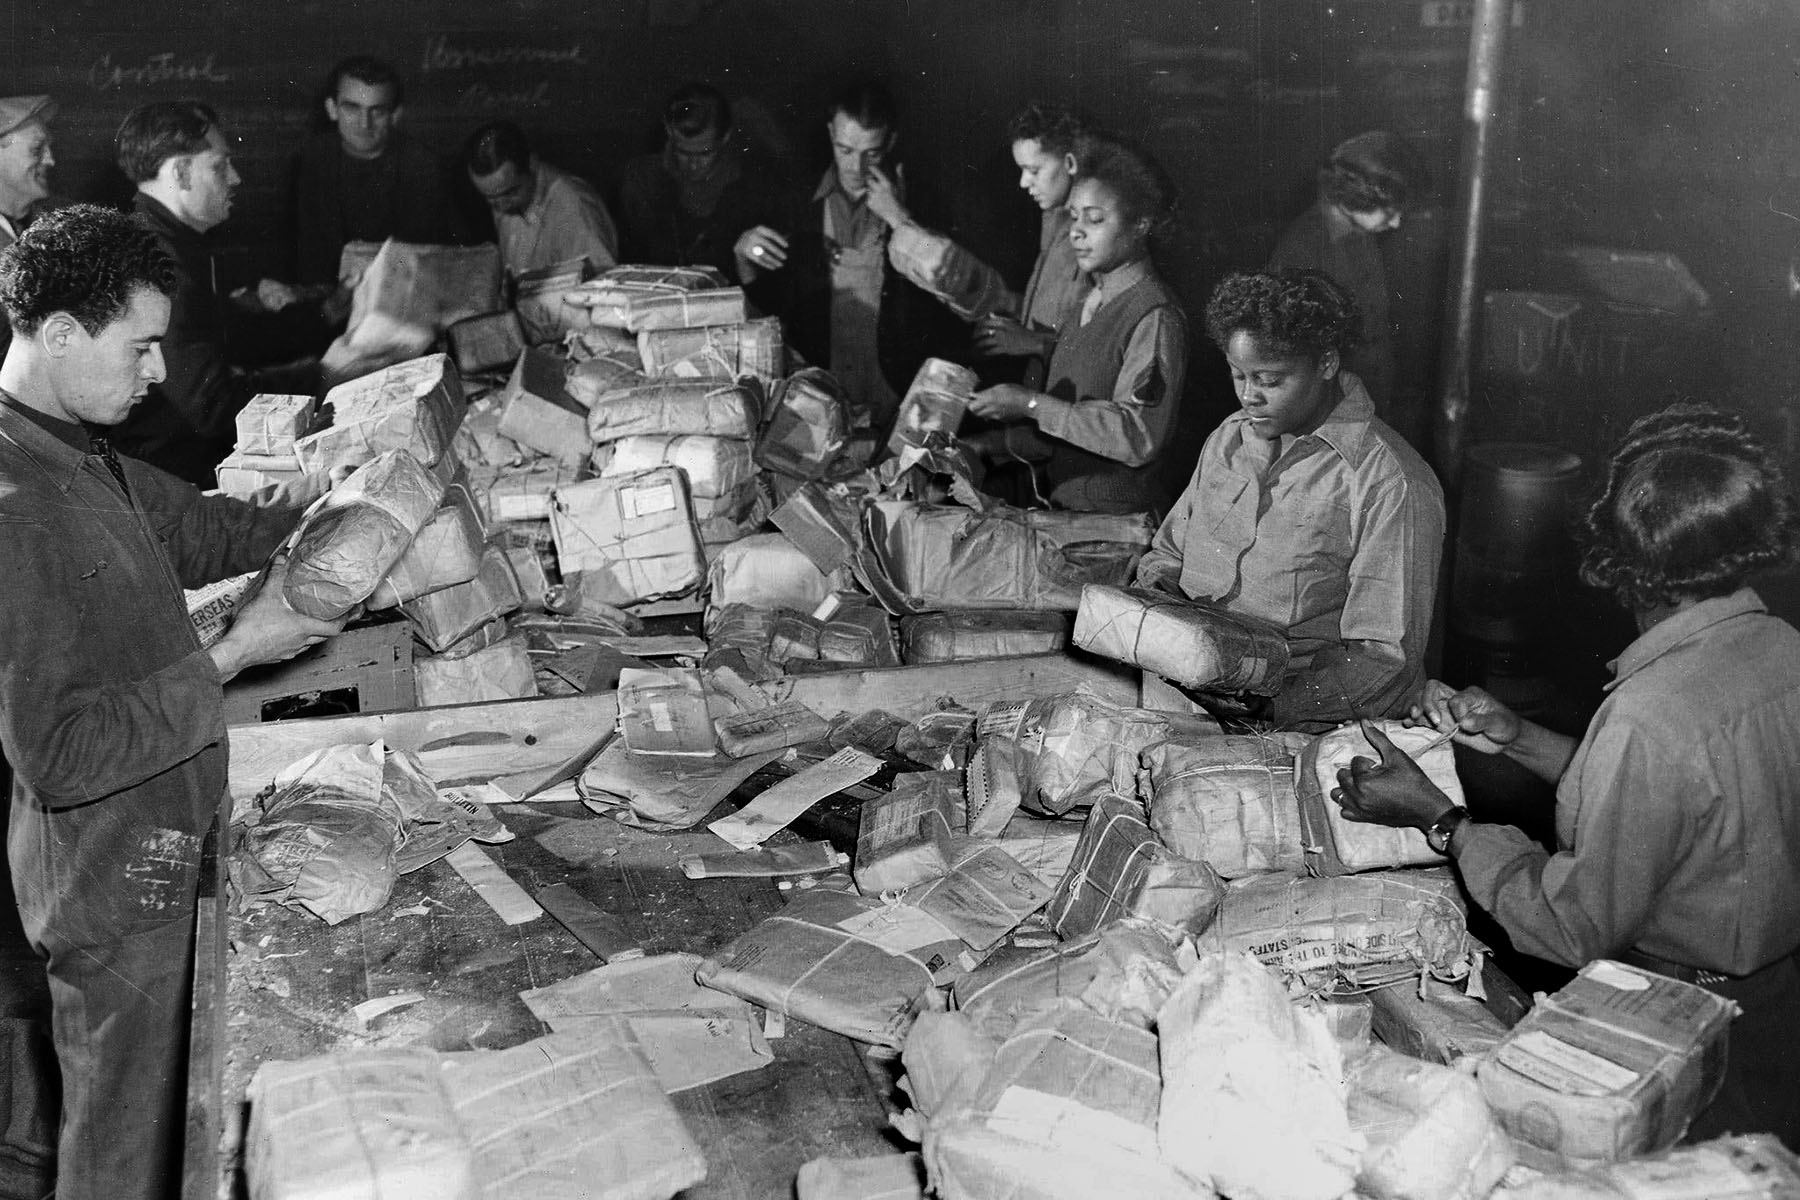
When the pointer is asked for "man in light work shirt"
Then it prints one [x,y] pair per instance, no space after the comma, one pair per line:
[543,215]
[110,709]
[1306,511]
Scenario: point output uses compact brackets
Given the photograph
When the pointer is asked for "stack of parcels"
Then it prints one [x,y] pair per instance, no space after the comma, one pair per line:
[688,323]
[413,406]
[267,429]
[567,1116]
[618,297]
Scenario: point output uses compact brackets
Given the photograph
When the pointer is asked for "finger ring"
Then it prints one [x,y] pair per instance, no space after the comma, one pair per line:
[1337,794]
[757,252]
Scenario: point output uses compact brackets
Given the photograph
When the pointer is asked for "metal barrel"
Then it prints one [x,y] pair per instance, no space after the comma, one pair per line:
[1514,567]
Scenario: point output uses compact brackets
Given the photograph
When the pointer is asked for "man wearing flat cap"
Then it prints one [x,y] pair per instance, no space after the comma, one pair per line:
[25,162]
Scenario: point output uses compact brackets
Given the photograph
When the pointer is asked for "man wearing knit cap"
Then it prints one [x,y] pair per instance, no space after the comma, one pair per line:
[25,162]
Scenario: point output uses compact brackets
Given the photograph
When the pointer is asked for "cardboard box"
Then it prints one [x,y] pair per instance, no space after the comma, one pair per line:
[368,669]
[446,551]
[1195,645]
[347,545]
[631,538]
[707,407]
[1611,1067]
[449,615]
[540,414]
[501,671]
[1121,870]
[270,424]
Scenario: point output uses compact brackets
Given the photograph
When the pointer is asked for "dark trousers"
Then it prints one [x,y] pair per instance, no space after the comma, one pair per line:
[1761,1092]
[120,1023]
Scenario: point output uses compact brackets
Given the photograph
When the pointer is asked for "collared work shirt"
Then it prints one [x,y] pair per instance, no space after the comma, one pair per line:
[1678,818]
[1337,541]
[566,219]
[1132,423]
[856,246]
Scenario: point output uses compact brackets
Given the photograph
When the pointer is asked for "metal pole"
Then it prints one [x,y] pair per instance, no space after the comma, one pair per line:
[1487,52]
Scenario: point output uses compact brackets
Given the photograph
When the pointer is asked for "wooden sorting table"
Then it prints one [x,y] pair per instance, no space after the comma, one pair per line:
[273,983]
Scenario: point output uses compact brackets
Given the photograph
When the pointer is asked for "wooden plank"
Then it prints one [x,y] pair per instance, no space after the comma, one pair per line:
[206,1033]
[469,741]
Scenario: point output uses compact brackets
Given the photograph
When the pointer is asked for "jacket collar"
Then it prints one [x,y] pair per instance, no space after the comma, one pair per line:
[1345,431]
[1689,623]
[165,223]
[55,457]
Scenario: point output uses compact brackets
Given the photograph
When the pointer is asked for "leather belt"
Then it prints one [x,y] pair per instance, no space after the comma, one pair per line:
[1675,970]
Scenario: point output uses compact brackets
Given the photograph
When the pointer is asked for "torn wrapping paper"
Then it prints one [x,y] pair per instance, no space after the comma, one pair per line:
[1227,799]
[1336,845]
[414,406]
[662,791]
[934,403]
[692,1035]
[807,426]
[349,542]
[847,963]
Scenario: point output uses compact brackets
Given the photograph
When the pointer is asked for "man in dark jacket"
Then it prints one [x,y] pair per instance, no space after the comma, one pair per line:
[219,352]
[110,710]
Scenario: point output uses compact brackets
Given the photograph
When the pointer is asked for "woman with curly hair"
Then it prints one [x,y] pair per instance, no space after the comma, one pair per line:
[1364,187]
[1306,511]
[1678,813]
[1107,411]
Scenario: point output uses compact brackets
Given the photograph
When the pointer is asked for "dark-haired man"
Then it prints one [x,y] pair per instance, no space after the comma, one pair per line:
[543,215]
[219,354]
[109,707]
[703,200]
[364,179]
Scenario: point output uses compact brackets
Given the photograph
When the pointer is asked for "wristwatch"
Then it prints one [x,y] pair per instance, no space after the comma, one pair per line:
[1444,828]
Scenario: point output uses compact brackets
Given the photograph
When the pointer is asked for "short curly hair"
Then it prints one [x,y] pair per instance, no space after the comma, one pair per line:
[1693,504]
[1057,130]
[83,260]
[1371,171]
[1286,312]
[1144,189]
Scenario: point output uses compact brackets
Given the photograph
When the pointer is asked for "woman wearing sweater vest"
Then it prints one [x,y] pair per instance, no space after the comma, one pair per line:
[1113,386]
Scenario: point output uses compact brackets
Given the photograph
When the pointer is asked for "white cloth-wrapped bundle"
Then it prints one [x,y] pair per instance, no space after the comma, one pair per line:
[1337,845]
[934,403]
[715,466]
[270,424]
[1193,644]
[630,538]
[708,408]
[349,544]
[539,413]
[1228,800]
[715,351]
[766,570]
[1429,1134]
[1253,1094]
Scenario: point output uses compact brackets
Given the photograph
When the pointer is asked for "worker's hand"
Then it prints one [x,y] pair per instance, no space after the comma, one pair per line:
[1393,791]
[759,248]
[884,197]
[999,334]
[1003,402]
[265,629]
[276,295]
[1480,721]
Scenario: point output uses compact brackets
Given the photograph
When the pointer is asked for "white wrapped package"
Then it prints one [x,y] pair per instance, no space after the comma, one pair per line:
[270,424]
[524,493]
[414,406]
[686,310]
[766,570]
[241,474]
[608,298]
[1196,645]
[539,413]
[631,538]
[934,403]
[707,407]
[346,546]
[357,1124]
[716,351]
[715,466]
[600,374]
[447,616]
[501,671]
[1228,800]
[446,551]
[1429,1133]
[1339,846]
[1253,1094]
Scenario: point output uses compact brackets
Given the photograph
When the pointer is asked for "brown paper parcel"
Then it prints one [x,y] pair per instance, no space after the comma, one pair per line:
[1195,645]
[1121,870]
[350,542]
[1228,800]
[630,538]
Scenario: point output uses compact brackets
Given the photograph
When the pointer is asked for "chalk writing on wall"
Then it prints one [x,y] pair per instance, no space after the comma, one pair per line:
[107,75]
[482,97]
[443,54]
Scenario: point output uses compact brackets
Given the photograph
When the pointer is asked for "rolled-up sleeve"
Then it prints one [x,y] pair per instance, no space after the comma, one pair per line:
[1133,424]
[1592,900]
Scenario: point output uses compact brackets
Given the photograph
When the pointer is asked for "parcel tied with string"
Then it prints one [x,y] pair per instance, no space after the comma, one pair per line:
[1121,870]
[1195,645]
[347,545]
[1336,845]
[630,538]
[1227,799]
